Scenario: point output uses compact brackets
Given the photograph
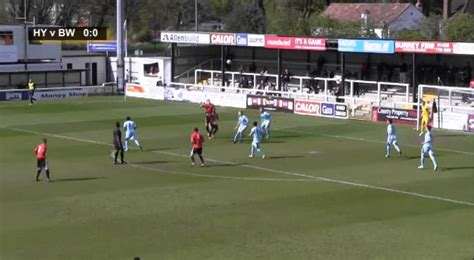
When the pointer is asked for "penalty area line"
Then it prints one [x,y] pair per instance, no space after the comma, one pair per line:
[361,185]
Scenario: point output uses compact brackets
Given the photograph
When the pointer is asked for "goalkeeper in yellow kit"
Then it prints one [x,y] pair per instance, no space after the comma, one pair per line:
[425,117]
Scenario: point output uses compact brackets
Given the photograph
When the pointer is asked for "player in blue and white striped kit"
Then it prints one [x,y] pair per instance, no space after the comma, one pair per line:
[427,148]
[129,126]
[241,127]
[392,138]
[266,119]
[257,135]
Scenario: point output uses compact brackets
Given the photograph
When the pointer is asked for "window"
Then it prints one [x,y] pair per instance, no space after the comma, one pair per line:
[6,38]
[151,70]
[69,66]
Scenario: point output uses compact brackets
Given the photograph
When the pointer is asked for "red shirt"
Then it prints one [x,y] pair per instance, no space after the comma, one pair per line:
[210,109]
[197,139]
[40,151]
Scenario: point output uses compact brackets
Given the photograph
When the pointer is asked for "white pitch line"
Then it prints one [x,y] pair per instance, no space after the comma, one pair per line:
[261,168]
[308,177]
[370,141]
[244,165]
[220,176]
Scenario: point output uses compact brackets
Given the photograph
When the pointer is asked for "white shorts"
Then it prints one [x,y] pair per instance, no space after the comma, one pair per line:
[241,129]
[392,139]
[130,136]
[266,124]
[426,148]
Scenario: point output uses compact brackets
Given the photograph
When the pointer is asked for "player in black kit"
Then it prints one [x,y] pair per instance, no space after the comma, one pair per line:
[118,144]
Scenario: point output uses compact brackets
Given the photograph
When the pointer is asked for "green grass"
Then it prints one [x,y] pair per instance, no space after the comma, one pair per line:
[322,193]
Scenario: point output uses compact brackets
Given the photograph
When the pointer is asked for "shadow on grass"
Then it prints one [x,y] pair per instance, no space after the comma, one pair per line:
[154,162]
[272,141]
[444,169]
[286,136]
[157,149]
[78,179]
[226,164]
[285,157]
[410,157]
[452,135]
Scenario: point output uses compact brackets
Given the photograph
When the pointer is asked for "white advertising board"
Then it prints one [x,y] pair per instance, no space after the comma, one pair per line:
[145,91]
[8,53]
[198,96]
[450,120]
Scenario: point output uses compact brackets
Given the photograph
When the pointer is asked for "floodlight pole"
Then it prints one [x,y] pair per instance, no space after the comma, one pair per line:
[120,60]
[196,15]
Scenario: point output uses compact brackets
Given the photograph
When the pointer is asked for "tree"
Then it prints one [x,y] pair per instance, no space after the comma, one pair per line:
[459,28]
[430,27]
[249,18]
[408,35]
[324,26]
[292,17]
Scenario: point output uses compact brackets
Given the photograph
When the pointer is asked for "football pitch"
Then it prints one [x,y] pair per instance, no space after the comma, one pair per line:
[325,190]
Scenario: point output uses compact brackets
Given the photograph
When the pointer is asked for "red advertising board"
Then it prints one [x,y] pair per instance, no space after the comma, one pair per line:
[306,107]
[277,42]
[295,43]
[424,47]
[314,44]
[223,38]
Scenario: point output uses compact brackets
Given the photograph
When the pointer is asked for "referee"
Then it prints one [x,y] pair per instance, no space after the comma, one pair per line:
[117,134]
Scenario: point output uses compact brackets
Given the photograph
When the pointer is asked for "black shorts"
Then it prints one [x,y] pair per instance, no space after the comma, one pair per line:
[118,146]
[208,119]
[197,151]
[42,164]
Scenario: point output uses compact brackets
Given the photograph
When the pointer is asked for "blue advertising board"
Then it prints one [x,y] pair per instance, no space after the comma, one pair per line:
[242,39]
[366,46]
[110,46]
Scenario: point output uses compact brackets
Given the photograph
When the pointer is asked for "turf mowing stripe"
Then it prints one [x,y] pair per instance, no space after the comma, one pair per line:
[271,170]
[308,177]
[369,141]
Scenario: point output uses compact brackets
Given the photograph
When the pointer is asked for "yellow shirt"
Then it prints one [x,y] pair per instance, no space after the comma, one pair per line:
[425,112]
[31,85]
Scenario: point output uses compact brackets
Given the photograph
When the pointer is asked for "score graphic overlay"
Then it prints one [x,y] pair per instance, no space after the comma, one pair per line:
[67,33]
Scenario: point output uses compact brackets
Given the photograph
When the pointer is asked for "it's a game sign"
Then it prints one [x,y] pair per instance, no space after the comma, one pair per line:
[401,116]
[271,103]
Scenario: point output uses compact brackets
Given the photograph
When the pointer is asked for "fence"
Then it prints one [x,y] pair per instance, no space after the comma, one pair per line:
[361,95]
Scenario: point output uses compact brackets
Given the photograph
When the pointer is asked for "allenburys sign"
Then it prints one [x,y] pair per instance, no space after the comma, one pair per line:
[185,37]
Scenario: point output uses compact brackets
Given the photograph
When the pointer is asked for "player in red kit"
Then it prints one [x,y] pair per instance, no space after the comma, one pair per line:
[213,127]
[197,140]
[41,160]
[210,111]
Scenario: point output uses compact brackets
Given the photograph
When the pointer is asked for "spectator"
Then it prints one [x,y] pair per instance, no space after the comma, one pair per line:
[356,85]
[264,72]
[403,73]
[252,67]
[451,75]
[380,71]
[285,79]
[365,70]
[389,70]
[467,73]
[320,64]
